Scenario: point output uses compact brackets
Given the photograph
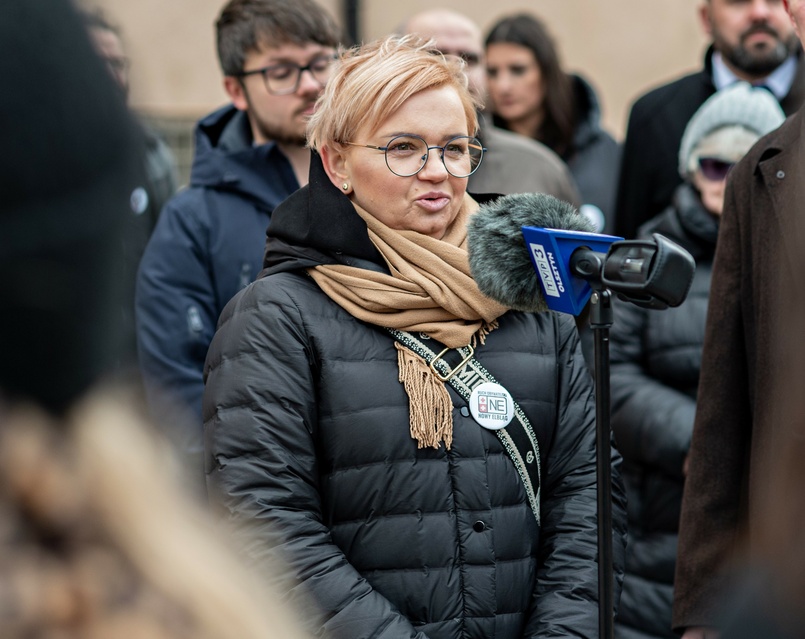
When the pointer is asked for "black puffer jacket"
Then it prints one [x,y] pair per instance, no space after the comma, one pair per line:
[308,443]
[655,358]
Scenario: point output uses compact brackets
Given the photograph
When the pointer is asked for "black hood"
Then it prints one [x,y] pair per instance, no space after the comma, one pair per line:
[588,113]
[317,225]
[71,157]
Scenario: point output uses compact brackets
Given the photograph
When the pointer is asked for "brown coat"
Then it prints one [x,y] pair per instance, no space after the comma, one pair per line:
[738,426]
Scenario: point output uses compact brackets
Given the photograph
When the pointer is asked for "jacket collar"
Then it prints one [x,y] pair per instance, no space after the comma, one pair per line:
[227,160]
[790,103]
[316,225]
[780,166]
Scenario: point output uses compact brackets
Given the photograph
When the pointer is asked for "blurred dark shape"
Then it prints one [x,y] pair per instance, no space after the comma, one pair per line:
[71,154]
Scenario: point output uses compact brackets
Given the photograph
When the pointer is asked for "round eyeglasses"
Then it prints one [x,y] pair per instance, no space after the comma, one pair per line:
[283,79]
[406,155]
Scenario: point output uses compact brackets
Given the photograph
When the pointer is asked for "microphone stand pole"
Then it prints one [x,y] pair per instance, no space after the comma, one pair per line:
[676,269]
[601,318]
[588,265]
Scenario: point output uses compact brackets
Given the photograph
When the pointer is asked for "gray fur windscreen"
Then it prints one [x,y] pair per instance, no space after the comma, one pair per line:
[499,259]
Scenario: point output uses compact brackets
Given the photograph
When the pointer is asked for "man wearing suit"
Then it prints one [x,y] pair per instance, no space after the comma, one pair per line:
[752,40]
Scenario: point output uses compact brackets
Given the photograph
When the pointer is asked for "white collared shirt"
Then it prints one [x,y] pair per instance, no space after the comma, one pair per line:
[778,81]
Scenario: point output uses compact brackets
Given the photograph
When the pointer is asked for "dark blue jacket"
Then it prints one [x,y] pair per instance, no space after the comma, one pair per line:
[207,245]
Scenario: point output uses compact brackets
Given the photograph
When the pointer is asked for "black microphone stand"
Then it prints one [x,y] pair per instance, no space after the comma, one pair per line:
[654,274]
[588,266]
[600,322]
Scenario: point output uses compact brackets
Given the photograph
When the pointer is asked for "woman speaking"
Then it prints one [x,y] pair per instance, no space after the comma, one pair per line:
[356,392]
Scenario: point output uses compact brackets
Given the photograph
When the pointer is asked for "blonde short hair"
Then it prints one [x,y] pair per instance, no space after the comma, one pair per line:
[372,81]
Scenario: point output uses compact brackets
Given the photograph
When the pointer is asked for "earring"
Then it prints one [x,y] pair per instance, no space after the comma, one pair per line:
[345,186]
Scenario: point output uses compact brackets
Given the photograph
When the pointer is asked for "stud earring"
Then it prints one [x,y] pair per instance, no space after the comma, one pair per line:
[345,186]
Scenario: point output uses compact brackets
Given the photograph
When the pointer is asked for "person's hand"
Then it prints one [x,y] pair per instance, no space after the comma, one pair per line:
[700,632]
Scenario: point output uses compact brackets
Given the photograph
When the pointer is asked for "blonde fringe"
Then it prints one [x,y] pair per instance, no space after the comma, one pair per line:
[429,402]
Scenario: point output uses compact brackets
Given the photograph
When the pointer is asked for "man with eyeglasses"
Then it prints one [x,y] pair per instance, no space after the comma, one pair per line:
[276,56]
[512,163]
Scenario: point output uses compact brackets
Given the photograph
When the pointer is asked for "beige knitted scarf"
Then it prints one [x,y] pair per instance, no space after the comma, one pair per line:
[429,290]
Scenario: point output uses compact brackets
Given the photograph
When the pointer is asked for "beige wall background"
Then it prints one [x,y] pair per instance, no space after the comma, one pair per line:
[623,47]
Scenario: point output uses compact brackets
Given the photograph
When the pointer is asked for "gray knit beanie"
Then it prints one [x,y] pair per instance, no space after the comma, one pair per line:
[748,112]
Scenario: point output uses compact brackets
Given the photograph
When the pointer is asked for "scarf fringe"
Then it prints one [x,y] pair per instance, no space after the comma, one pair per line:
[429,402]
[480,335]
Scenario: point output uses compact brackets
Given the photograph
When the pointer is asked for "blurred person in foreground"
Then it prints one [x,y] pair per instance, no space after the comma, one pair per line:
[532,95]
[656,357]
[276,56]
[739,431]
[751,41]
[335,443]
[97,539]
[512,163]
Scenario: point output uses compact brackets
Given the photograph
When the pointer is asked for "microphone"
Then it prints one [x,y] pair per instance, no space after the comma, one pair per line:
[515,235]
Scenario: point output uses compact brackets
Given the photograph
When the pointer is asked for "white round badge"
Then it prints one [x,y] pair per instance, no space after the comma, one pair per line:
[139,200]
[492,406]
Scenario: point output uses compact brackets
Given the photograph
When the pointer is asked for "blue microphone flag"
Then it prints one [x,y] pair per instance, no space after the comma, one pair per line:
[550,251]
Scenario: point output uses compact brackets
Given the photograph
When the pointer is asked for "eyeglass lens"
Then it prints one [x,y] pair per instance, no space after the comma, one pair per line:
[284,78]
[715,169]
[407,154]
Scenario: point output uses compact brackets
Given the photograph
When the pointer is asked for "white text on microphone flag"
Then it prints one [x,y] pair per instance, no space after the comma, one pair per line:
[546,268]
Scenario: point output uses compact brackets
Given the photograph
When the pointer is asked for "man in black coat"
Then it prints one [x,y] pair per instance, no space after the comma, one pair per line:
[159,179]
[752,41]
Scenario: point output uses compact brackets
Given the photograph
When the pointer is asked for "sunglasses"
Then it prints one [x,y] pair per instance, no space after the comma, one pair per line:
[715,169]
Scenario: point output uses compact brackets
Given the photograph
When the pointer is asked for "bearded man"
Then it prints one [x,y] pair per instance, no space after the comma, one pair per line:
[751,40]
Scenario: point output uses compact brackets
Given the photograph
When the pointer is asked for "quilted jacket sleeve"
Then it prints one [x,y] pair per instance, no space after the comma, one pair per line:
[652,422]
[566,599]
[262,468]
